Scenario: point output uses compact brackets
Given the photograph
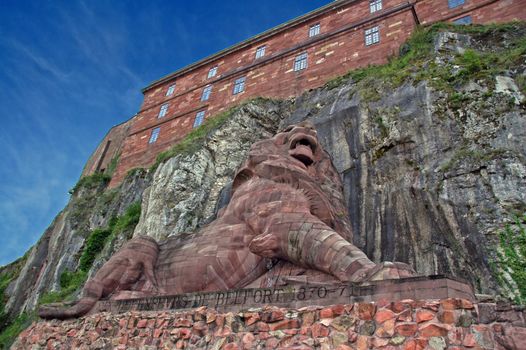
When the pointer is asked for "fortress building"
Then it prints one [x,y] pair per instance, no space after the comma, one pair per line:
[282,62]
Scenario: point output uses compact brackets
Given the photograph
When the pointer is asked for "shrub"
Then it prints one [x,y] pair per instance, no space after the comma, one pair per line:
[511,257]
[93,246]
[128,221]
[91,181]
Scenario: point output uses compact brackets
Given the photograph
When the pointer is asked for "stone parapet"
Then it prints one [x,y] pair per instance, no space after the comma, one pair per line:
[451,323]
[297,296]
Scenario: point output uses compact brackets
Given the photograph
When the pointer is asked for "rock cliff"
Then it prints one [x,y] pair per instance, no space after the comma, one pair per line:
[430,148]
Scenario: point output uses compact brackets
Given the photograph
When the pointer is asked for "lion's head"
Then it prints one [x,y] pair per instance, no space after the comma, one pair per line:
[295,156]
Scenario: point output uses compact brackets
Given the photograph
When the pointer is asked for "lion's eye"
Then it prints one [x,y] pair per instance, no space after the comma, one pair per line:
[289,128]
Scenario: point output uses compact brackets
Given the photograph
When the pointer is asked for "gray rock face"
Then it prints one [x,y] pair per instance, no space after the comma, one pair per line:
[184,190]
[425,183]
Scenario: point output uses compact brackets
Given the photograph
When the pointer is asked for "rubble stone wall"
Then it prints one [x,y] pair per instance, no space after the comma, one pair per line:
[408,324]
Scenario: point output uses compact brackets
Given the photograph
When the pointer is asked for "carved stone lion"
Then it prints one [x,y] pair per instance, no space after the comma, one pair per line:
[286,222]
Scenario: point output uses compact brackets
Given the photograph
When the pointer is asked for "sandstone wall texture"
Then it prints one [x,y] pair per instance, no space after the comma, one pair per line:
[406,324]
[330,53]
[339,47]
[108,150]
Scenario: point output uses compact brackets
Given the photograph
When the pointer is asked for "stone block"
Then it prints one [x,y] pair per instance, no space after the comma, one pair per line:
[433,330]
[424,316]
[406,329]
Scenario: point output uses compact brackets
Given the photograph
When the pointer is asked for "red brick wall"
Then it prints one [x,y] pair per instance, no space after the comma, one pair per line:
[273,77]
[481,11]
[109,148]
[339,48]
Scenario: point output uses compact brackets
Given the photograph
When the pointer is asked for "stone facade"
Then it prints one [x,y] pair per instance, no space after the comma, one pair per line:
[340,46]
[108,150]
[407,324]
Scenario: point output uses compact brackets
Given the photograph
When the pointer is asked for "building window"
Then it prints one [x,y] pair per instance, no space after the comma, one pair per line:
[300,62]
[155,135]
[199,117]
[163,110]
[375,5]
[239,85]
[314,30]
[372,36]
[260,52]
[206,93]
[463,20]
[454,3]
[212,72]
[170,90]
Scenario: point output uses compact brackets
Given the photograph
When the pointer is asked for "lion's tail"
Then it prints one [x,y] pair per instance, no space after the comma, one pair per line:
[91,294]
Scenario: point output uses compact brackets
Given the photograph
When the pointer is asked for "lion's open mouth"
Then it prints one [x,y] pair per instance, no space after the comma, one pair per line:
[302,148]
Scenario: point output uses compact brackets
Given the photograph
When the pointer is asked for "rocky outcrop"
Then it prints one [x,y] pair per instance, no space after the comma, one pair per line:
[428,180]
[58,249]
[187,190]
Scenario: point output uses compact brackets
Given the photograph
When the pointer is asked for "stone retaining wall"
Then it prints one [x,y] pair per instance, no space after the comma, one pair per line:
[430,324]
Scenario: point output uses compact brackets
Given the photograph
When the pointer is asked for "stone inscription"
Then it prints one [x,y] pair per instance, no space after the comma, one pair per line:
[240,298]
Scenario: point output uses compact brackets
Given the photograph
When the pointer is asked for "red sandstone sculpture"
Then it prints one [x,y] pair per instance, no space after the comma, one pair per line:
[286,222]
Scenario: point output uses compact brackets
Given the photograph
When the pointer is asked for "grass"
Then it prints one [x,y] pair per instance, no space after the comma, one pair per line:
[474,156]
[5,279]
[129,220]
[91,181]
[112,165]
[415,63]
[457,99]
[93,246]
[511,258]
[70,283]
[135,171]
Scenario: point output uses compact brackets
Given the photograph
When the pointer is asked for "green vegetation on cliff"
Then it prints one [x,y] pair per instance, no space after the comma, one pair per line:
[511,258]
[10,328]
[72,281]
[416,62]
[11,332]
[91,182]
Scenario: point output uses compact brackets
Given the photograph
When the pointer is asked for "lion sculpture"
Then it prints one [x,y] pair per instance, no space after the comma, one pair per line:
[286,222]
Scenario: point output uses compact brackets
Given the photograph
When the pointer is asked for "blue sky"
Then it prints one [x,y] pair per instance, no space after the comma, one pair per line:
[72,69]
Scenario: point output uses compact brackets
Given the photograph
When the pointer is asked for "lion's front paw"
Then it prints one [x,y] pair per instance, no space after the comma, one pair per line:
[386,271]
